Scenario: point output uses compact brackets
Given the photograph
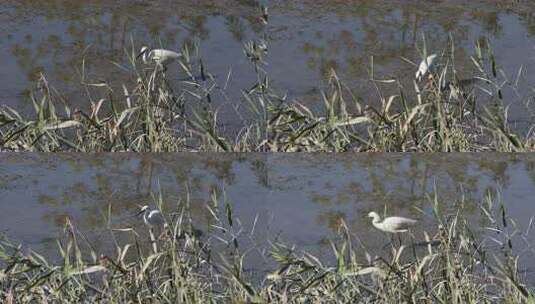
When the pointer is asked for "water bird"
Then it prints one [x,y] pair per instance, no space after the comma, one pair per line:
[394,224]
[152,218]
[426,66]
[162,57]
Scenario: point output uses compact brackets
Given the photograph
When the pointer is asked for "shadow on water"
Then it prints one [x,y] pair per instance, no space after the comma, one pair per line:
[307,39]
[298,199]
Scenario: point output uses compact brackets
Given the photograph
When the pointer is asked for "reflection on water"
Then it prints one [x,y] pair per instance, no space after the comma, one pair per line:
[307,39]
[300,199]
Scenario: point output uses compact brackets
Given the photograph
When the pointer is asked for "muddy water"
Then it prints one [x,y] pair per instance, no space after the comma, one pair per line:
[306,39]
[297,199]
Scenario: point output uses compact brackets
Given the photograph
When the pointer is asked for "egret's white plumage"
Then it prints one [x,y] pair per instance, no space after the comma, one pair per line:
[425,67]
[159,56]
[392,224]
[152,218]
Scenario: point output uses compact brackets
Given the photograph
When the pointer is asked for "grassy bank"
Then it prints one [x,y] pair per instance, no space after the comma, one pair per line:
[452,264]
[154,113]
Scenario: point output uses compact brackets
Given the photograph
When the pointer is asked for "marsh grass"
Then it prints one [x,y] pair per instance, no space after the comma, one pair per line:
[155,113]
[452,263]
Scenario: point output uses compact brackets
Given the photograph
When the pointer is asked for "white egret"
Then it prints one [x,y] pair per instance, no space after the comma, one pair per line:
[426,66]
[152,218]
[394,224]
[161,57]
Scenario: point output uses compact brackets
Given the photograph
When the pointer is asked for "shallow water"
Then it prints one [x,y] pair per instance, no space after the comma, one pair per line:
[306,39]
[295,198]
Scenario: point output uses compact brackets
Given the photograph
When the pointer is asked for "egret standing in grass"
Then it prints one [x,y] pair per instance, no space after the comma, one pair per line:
[394,224]
[426,67]
[154,220]
[161,57]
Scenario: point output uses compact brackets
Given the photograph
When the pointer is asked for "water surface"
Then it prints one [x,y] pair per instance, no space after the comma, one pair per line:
[306,40]
[299,199]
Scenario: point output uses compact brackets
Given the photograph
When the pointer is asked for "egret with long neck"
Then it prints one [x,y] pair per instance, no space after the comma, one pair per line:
[152,218]
[161,57]
[393,224]
[426,67]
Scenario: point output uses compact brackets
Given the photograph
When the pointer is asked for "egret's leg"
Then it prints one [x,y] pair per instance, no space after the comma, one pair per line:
[152,81]
[153,241]
[391,242]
